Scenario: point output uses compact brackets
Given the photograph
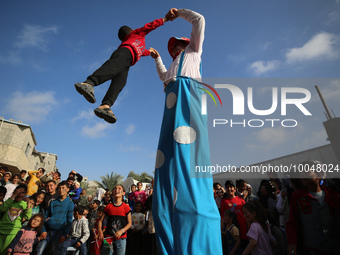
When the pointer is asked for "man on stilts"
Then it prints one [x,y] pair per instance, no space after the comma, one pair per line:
[186,217]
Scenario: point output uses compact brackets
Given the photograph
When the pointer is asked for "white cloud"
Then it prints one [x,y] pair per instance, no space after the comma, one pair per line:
[332,91]
[125,148]
[84,115]
[333,17]
[95,131]
[32,107]
[130,129]
[320,46]
[265,45]
[35,36]
[235,58]
[12,58]
[269,138]
[260,67]
[313,139]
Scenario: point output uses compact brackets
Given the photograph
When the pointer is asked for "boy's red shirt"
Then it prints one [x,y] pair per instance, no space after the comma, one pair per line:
[135,41]
[119,212]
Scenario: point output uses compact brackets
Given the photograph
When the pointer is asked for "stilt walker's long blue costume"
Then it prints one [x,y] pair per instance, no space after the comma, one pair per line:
[186,217]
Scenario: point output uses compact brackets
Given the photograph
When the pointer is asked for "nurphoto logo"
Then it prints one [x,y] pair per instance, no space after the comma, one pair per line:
[295,96]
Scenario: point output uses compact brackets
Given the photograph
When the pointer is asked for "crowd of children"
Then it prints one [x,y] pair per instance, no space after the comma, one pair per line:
[55,217]
[290,216]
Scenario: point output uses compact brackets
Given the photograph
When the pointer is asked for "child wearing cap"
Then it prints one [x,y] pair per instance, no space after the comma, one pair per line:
[117,67]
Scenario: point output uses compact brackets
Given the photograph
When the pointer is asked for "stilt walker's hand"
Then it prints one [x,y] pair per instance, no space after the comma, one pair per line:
[154,53]
[172,14]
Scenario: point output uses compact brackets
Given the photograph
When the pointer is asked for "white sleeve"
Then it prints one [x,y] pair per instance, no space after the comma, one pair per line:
[280,206]
[161,70]
[198,26]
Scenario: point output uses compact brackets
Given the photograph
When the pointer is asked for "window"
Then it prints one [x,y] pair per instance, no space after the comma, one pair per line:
[28,150]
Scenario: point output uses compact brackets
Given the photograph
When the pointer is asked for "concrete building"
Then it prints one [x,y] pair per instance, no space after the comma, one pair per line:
[17,148]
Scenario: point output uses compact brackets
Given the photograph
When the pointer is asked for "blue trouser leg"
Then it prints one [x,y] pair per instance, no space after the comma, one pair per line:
[119,246]
[41,246]
[66,244]
[53,237]
[186,216]
[71,242]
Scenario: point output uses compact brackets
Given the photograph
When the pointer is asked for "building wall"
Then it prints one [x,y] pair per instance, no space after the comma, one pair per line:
[49,161]
[17,144]
[17,148]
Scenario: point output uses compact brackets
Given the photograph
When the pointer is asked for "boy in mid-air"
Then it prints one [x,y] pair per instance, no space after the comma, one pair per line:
[117,67]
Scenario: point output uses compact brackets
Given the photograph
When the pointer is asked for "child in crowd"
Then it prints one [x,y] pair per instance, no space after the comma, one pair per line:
[150,243]
[34,182]
[139,194]
[231,234]
[75,193]
[96,244]
[282,208]
[26,238]
[131,201]
[23,173]
[250,197]
[218,194]
[314,217]
[79,232]
[107,199]
[259,235]
[15,209]
[3,192]
[58,221]
[36,204]
[83,201]
[38,199]
[117,67]
[15,181]
[92,217]
[118,222]
[235,204]
[6,179]
[241,186]
[138,224]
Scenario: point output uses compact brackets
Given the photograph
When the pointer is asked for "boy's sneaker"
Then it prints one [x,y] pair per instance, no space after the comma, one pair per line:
[105,114]
[86,90]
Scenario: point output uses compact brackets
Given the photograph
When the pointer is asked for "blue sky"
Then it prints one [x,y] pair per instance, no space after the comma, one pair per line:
[47,46]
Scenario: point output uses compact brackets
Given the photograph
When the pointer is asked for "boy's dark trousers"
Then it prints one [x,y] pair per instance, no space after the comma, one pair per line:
[115,69]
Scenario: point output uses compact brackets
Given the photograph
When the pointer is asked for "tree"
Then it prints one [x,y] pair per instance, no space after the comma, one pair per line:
[110,181]
[143,177]
[84,185]
[133,175]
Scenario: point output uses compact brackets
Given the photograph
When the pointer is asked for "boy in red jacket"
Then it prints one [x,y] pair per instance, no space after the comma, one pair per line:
[117,67]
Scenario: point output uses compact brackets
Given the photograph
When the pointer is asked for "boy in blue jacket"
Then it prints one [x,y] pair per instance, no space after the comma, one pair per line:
[58,221]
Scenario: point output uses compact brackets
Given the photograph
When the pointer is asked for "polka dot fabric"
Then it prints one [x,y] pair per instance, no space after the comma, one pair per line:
[186,216]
